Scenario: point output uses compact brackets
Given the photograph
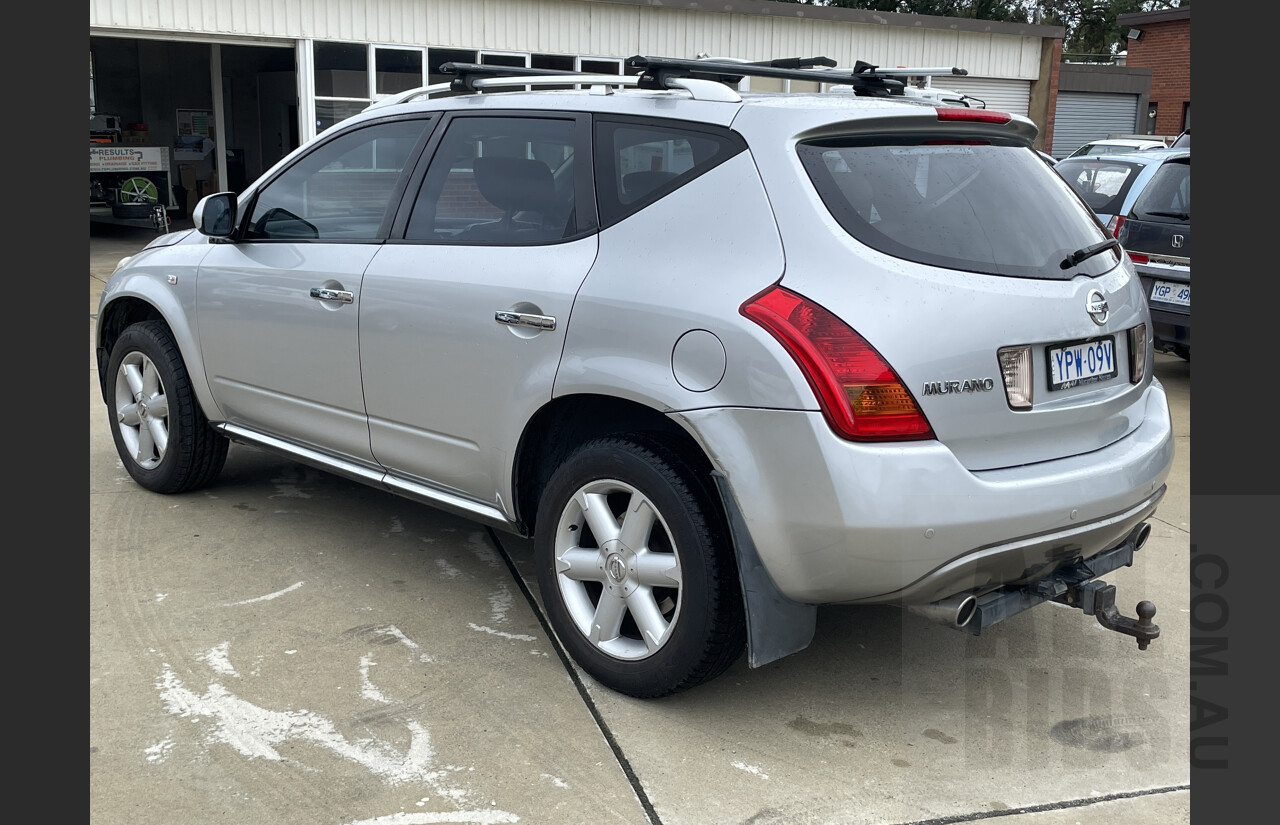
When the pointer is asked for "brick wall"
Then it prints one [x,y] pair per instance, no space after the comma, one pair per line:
[1165,48]
[1055,73]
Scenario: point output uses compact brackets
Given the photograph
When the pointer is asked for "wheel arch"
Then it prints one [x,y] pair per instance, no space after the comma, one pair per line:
[568,422]
[131,305]
[776,625]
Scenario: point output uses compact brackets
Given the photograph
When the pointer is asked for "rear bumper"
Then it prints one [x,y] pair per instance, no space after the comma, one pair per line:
[838,522]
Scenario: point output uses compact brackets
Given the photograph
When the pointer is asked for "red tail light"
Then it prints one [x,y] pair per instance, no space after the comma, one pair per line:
[1113,225]
[1137,257]
[861,396]
[980,115]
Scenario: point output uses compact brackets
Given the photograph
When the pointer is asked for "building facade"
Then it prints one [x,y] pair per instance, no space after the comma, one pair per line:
[1161,41]
[228,87]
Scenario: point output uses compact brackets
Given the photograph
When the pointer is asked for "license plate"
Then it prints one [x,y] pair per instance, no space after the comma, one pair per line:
[1081,362]
[1171,293]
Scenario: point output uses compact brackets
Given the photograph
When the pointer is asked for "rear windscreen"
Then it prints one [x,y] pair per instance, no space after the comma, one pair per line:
[1167,198]
[1102,183]
[976,207]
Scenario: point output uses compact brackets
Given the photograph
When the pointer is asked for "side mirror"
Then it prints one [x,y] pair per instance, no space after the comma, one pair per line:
[215,215]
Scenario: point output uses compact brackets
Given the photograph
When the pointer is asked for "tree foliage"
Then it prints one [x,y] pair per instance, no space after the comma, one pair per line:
[1090,25]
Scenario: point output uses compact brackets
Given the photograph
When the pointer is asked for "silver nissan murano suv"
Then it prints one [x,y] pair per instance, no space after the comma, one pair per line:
[725,356]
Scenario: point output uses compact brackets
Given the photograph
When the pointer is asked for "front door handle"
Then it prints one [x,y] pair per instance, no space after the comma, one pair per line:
[524,319]
[321,293]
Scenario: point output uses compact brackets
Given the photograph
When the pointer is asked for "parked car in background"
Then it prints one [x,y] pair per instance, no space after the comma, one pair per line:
[1111,183]
[1182,141]
[693,343]
[1116,146]
[1156,232]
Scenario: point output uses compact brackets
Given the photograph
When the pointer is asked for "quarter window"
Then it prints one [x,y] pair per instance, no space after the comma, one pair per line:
[341,190]
[640,162]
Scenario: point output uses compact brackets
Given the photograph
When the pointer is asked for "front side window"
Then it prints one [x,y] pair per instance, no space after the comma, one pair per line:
[984,208]
[340,191]
[639,162]
[501,180]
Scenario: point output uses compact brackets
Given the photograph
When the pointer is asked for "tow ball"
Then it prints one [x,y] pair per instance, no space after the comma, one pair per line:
[1097,598]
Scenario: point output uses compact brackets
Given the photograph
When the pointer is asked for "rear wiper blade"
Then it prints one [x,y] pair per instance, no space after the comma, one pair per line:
[1088,252]
[1182,216]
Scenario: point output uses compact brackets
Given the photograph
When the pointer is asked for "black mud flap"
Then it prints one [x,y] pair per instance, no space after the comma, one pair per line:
[776,625]
[1076,585]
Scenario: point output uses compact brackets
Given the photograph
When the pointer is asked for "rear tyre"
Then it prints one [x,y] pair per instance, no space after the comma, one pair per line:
[636,572]
[161,434]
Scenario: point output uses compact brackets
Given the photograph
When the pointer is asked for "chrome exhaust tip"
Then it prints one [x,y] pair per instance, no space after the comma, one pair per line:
[1140,535]
[955,611]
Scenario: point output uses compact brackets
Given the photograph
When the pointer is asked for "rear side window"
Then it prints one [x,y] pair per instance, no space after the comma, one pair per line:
[1167,198]
[499,181]
[1103,184]
[979,208]
[639,162]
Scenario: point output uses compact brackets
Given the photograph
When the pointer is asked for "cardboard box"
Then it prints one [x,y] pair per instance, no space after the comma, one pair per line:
[187,177]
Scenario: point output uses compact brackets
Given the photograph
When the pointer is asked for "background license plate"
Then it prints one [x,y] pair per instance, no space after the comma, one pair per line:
[1171,293]
[1081,362]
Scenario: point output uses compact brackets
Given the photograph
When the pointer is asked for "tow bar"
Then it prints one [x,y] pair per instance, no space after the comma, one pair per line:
[1077,585]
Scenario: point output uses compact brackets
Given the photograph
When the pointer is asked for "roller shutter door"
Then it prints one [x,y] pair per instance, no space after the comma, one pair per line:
[1082,117]
[1012,96]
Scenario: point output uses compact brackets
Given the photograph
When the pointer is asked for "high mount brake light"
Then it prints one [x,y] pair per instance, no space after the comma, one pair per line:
[861,396]
[954,113]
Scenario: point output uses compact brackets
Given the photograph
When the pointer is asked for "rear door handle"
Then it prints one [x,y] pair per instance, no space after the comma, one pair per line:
[524,319]
[321,293]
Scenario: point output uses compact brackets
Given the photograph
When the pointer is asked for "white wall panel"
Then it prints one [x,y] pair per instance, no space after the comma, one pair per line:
[573,27]
[614,30]
[663,32]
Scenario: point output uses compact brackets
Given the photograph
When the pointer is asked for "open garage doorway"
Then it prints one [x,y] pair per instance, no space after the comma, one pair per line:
[161,133]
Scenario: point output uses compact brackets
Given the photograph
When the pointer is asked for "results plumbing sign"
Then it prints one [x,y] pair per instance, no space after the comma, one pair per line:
[128,159]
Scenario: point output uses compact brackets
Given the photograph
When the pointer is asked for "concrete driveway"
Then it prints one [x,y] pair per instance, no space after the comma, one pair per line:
[289,647]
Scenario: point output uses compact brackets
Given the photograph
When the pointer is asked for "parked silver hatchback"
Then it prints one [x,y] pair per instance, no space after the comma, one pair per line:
[725,356]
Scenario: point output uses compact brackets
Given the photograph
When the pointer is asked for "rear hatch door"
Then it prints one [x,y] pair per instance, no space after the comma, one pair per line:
[1157,235]
[948,253]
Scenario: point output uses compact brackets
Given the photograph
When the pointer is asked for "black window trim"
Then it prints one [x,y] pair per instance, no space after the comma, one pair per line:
[335,133]
[584,190]
[605,170]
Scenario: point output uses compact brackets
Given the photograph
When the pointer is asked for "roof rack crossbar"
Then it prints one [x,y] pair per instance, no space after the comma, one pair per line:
[468,73]
[863,78]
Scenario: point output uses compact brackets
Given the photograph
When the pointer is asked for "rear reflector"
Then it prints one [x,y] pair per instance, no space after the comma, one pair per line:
[860,395]
[1015,368]
[1137,257]
[953,113]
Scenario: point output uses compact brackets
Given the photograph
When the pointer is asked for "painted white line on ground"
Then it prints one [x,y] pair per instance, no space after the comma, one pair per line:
[267,597]
[367,690]
[520,636]
[396,633]
[254,731]
[218,659]
[472,817]
[751,769]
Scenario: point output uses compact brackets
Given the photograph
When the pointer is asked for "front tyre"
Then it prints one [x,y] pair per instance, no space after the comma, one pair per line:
[635,570]
[160,432]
